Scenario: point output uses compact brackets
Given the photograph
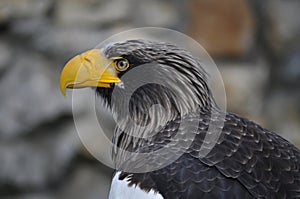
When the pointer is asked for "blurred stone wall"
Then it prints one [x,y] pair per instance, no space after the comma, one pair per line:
[255,44]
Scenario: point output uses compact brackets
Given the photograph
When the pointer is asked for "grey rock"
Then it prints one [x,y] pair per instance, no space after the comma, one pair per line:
[288,72]
[32,196]
[30,95]
[63,42]
[13,9]
[35,162]
[89,182]
[66,42]
[5,56]
[60,41]
[245,87]
[283,112]
[29,27]
[158,13]
[91,12]
[5,15]
[111,13]
[284,16]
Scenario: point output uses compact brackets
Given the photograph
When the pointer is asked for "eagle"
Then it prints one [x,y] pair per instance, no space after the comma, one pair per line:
[163,106]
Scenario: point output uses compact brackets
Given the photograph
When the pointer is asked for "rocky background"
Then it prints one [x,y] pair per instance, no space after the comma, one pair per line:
[254,43]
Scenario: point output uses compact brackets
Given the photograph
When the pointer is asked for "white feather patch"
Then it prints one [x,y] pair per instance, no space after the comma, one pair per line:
[120,190]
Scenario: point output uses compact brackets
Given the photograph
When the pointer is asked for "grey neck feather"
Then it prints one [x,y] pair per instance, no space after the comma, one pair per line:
[173,85]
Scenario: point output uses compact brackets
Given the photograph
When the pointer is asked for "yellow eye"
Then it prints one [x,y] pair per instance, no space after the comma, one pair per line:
[121,64]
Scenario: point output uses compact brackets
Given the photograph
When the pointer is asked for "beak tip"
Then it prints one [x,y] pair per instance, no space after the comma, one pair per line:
[63,89]
[63,92]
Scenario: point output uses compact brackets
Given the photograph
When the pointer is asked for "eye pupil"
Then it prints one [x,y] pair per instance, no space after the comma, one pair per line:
[122,64]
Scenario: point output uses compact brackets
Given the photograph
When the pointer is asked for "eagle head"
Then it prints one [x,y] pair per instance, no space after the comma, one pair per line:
[150,72]
[146,85]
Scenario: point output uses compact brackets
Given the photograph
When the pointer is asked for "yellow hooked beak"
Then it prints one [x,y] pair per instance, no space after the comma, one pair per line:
[90,69]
